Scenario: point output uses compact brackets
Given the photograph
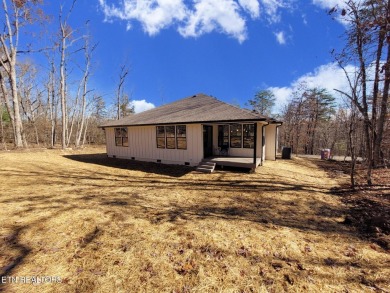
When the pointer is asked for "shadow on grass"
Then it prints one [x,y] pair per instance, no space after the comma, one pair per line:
[256,211]
[149,197]
[247,199]
[12,241]
[148,167]
[17,251]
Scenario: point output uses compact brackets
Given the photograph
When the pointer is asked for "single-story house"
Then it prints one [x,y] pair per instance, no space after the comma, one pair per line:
[193,130]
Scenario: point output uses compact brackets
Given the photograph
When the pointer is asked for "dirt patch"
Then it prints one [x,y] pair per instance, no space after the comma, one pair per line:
[105,225]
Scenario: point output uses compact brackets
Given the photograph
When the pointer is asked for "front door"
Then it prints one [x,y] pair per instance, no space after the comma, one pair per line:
[207,141]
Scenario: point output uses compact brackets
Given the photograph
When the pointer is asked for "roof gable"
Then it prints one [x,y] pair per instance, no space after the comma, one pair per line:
[199,108]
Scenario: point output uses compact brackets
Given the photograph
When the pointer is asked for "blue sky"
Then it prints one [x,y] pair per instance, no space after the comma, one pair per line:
[228,49]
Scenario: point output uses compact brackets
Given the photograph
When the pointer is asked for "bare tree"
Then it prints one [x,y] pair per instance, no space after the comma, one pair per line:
[352,143]
[52,103]
[318,107]
[82,124]
[30,96]
[379,23]
[98,114]
[16,15]
[297,119]
[67,39]
[7,102]
[124,71]
[367,45]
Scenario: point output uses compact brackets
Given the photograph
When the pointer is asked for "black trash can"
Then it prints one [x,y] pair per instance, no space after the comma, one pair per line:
[286,153]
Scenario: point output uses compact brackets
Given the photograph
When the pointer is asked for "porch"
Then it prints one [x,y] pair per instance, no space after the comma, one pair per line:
[241,162]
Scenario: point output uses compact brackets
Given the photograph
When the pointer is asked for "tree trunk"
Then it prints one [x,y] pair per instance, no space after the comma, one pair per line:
[7,102]
[19,135]
[383,112]
[73,117]
[368,151]
[352,145]
[122,77]
[85,132]
[2,129]
[83,108]
[53,107]
[62,88]
[9,51]
[87,55]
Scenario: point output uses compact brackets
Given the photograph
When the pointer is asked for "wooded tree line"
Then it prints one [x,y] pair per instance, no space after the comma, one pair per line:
[50,103]
[312,121]
[360,125]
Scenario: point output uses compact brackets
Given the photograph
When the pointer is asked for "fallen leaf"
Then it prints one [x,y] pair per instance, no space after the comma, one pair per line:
[243,251]
[300,267]
[289,279]
[97,272]
[277,266]
[187,267]
[307,248]
[330,261]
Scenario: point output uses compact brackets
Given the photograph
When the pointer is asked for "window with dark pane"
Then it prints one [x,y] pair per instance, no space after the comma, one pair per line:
[170,137]
[249,136]
[223,136]
[236,136]
[160,133]
[181,137]
[121,138]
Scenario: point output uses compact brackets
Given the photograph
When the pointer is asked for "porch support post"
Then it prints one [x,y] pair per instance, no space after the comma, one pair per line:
[255,145]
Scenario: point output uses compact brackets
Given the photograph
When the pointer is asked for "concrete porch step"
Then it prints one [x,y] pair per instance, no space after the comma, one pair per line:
[206,167]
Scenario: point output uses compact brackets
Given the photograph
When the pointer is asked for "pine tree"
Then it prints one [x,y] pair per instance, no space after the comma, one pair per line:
[263,102]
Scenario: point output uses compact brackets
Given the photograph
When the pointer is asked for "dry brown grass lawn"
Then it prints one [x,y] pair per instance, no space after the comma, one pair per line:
[105,225]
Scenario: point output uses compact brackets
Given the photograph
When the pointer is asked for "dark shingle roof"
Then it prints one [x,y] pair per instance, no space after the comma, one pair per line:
[199,108]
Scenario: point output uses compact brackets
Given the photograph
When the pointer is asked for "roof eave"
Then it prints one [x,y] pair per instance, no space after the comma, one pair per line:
[186,122]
